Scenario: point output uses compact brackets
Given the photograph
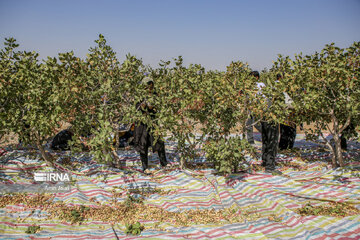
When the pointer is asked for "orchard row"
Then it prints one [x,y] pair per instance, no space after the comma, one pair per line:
[194,107]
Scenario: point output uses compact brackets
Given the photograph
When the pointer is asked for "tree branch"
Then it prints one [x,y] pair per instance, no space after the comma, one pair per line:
[345,124]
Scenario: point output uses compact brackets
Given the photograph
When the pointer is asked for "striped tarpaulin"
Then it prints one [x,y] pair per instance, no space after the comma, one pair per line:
[310,180]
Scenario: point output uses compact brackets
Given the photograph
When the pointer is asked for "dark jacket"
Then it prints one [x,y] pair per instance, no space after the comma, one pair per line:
[143,137]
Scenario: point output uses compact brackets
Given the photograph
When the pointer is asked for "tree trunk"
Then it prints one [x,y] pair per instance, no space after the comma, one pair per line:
[182,163]
[333,159]
[337,141]
[48,159]
[338,153]
[116,160]
[45,155]
[244,128]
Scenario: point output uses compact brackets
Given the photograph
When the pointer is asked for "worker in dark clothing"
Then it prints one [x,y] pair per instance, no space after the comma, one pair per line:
[348,132]
[251,120]
[26,132]
[269,138]
[287,136]
[143,137]
[287,131]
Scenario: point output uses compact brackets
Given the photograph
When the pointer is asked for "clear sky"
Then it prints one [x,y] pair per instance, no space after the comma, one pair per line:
[209,32]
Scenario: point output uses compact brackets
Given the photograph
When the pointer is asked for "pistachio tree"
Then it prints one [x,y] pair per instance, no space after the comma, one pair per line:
[101,97]
[181,105]
[196,107]
[29,103]
[234,97]
[325,88]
